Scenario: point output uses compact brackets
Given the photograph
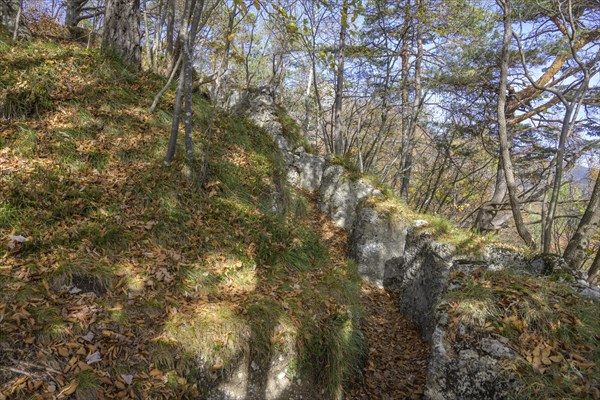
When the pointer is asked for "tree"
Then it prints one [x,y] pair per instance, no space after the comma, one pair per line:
[79,10]
[194,18]
[594,268]
[393,56]
[410,109]
[553,46]
[122,31]
[570,96]
[503,126]
[588,225]
[338,137]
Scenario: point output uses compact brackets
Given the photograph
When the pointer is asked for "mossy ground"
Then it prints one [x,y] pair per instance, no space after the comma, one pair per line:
[554,331]
[183,283]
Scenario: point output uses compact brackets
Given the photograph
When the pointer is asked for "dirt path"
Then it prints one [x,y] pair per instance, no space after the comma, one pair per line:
[397,356]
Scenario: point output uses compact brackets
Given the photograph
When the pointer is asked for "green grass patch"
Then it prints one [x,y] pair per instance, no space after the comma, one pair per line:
[88,384]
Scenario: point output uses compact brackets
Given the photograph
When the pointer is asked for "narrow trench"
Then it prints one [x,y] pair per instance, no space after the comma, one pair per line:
[397,356]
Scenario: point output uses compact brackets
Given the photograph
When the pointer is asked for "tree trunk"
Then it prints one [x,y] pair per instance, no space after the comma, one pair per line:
[9,16]
[188,76]
[338,138]
[594,268]
[122,31]
[148,44]
[488,211]
[176,116]
[72,11]
[17,20]
[306,122]
[224,65]
[588,225]
[415,108]
[157,48]
[166,86]
[502,127]
[192,15]
[170,14]
[320,119]
[405,95]
[558,174]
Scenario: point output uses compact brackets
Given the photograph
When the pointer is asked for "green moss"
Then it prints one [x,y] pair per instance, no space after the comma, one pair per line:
[291,130]
[51,323]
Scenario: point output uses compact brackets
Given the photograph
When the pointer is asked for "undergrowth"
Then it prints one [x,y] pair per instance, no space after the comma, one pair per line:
[554,331]
[176,286]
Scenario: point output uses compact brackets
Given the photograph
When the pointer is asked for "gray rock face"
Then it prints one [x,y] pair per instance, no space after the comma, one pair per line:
[8,18]
[463,374]
[376,239]
[547,264]
[305,170]
[256,381]
[585,289]
[497,258]
[421,276]
[339,196]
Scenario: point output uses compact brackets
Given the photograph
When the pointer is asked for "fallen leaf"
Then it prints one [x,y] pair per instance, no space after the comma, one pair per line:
[69,390]
[128,379]
[93,358]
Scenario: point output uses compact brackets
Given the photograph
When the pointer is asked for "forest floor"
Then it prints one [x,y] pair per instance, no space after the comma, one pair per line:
[397,355]
[119,276]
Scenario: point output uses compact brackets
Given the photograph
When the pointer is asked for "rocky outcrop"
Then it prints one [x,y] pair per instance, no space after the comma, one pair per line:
[421,276]
[305,171]
[9,9]
[340,196]
[377,238]
[392,253]
[470,372]
[268,380]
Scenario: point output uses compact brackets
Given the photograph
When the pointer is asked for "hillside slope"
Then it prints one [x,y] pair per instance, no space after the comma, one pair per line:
[119,279]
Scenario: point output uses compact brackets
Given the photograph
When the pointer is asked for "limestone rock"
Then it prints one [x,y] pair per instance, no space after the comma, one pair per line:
[305,170]
[592,292]
[376,239]
[585,289]
[421,276]
[497,258]
[548,264]
[8,18]
[466,375]
[339,196]
[271,380]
